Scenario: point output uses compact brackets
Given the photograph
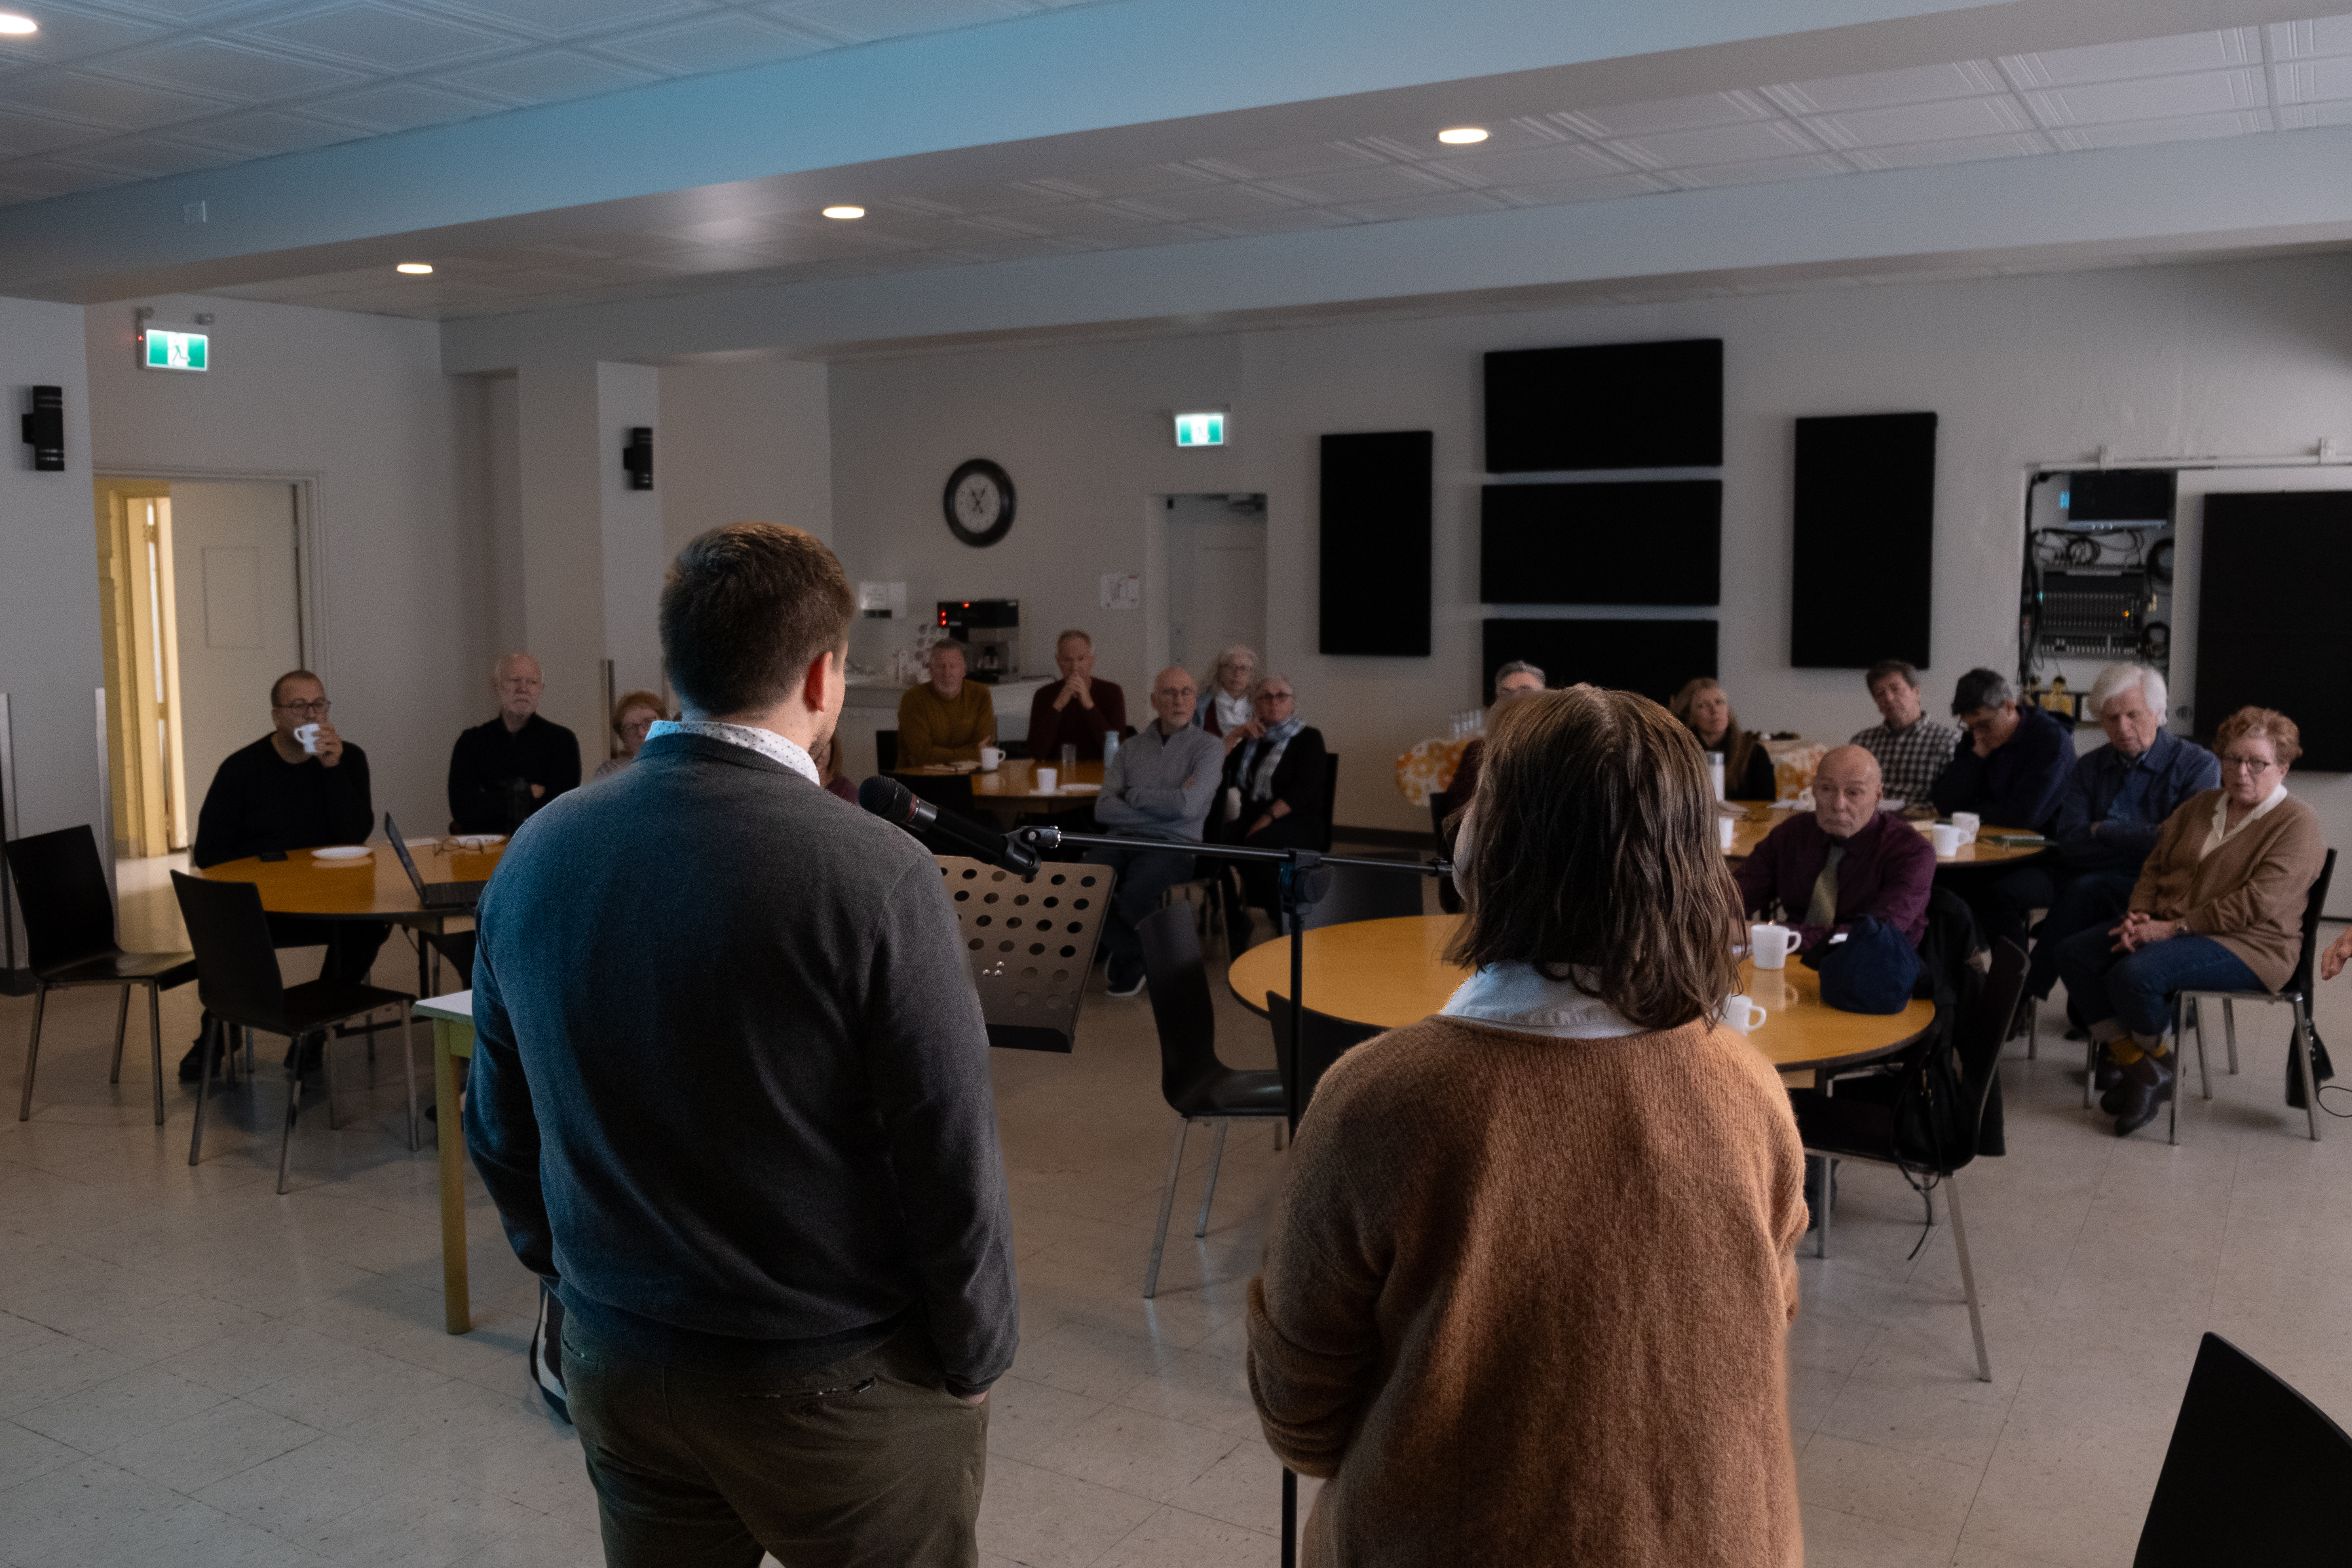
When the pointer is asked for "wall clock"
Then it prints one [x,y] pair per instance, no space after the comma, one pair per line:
[978,502]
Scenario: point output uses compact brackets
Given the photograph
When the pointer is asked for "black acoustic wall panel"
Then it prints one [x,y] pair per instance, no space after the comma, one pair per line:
[1605,406]
[1864,573]
[1653,658]
[1607,543]
[2271,628]
[1375,543]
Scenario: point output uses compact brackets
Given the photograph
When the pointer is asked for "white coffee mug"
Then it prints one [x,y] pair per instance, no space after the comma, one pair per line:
[1770,945]
[1048,781]
[1948,840]
[1741,1013]
[1967,822]
[1725,827]
[989,757]
[307,737]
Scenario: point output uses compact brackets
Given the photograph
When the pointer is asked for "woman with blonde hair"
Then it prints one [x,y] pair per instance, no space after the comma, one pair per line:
[1528,1286]
[633,715]
[1225,694]
[1705,707]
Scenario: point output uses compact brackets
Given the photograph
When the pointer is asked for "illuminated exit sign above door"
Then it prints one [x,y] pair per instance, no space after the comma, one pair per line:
[1200,430]
[173,350]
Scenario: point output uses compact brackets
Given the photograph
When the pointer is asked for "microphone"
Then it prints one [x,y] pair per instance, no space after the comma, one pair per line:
[895,804]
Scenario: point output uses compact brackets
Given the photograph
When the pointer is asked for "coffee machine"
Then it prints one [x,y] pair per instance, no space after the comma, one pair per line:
[991,628]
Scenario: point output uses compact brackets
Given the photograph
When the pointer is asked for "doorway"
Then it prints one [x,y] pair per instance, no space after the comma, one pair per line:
[200,609]
[1216,578]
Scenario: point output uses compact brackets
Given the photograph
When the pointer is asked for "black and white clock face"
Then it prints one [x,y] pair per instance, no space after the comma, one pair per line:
[979,502]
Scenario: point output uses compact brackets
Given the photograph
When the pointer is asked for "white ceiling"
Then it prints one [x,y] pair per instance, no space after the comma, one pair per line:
[113,92]
[2239,81]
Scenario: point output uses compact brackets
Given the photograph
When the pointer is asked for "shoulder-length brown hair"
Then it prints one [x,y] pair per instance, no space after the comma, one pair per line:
[2261,723]
[1739,744]
[1594,850]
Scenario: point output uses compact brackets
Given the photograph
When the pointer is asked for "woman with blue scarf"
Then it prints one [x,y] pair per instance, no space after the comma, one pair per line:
[1273,796]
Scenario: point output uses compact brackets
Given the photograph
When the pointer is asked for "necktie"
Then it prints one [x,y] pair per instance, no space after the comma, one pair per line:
[1822,910]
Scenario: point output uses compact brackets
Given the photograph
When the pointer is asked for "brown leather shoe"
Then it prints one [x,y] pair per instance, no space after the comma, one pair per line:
[2145,1085]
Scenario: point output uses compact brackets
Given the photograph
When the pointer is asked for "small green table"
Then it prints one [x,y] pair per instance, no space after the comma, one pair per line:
[452,1037]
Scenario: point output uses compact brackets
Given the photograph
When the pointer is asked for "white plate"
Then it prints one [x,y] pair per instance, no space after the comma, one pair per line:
[342,852]
[478,840]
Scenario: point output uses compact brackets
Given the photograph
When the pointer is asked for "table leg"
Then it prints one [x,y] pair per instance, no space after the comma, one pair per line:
[457,1309]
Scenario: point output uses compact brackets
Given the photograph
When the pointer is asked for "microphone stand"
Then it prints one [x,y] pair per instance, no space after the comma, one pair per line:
[1304,880]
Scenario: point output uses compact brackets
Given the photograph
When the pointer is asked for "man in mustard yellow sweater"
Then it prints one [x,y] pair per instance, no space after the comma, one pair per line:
[948,718]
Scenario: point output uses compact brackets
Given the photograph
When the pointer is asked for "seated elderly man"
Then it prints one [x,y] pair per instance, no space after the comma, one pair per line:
[1822,870]
[1516,678]
[2218,906]
[505,768]
[1911,748]
[947,718]
[2016,760]
[2115,802]
[1158,786]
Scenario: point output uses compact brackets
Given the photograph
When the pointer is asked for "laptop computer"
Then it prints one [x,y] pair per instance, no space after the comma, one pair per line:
[432,894]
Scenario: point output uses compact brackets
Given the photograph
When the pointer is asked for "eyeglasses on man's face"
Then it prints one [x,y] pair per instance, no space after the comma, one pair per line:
[314,709]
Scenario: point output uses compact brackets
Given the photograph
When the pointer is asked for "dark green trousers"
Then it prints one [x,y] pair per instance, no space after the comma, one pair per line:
[869,1463]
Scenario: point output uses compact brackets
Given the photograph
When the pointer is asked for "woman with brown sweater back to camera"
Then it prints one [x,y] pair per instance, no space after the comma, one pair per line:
[1525,1292]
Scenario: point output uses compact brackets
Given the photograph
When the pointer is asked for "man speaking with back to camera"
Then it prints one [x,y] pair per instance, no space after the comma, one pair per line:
[731,1094]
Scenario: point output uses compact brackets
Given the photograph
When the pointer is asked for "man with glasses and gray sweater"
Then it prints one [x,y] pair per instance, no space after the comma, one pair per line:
[1159,785]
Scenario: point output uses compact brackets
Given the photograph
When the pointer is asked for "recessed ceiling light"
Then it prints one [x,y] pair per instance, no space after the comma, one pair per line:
[415,268]
[14,25]
[1463,135]
[844,212]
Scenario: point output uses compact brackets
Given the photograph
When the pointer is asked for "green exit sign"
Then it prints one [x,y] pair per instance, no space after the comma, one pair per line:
[173,350]
[1200,430]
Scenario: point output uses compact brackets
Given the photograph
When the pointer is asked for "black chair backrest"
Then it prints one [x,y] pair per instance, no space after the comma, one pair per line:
[1322,1040]
[2314,908]
[1981,1033]
[2256,1473]
[1331,795]
[1359,894]
[236,964]
[949,791]
[886,750]
[62,887]
[1181,1005]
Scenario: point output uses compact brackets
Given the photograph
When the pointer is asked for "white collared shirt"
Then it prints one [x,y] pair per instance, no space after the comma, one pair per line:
[767,743]
[2220,833]
[1514,997]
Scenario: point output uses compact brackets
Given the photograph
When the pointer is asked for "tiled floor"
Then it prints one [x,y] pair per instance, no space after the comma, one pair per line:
[195,1371]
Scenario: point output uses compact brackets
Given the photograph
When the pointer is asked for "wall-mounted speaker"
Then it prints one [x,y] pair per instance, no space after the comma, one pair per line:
[1376,509]
[1653,658]
[638,458]
[1864,564]
[45,429]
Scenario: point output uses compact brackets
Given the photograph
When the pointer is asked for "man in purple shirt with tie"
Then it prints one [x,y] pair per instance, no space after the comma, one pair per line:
[1820,871]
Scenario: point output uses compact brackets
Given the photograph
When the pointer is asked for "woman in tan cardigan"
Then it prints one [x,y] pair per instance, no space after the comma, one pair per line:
[1526,1289]
[2219,907]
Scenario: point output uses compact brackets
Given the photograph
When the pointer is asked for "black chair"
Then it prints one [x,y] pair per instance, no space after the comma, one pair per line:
[1322,1040]
[1863,1129]
[1198,1087]
[2256,1473]
[70,942]
[1331,795]
[886,750]
[2296,995]
[1449,897]
[1360,894]
[458,947]
[238,981]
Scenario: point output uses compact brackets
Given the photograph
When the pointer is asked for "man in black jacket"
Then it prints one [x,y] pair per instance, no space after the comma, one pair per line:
[298,787]
[502,771]
[731,1094]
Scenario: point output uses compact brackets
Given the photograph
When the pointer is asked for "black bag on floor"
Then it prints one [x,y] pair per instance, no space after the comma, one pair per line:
[2322,1069]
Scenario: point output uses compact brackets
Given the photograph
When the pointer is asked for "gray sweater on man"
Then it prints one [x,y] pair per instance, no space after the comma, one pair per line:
[1144,794]
[730,1086]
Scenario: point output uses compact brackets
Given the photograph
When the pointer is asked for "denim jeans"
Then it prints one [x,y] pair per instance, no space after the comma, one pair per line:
[2136,988]
[2077,903]
[1144,877]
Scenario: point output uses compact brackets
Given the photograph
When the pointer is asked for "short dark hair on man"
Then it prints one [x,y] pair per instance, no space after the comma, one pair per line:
[744,610]
[278,686]
[1886,666]
[1980,689]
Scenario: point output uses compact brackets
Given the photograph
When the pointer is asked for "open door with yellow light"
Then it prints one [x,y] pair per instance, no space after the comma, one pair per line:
[138,620]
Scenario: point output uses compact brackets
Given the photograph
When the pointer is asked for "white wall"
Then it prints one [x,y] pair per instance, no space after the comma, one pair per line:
[743,440]
[51,664]
[2237,358]
[357,405]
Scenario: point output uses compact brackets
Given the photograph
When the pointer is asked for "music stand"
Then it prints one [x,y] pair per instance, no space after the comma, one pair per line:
[1029,942]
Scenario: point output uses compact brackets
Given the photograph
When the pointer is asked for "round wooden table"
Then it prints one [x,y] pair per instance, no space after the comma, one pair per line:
[1750,831]
[1014,785]
[376,888]
[1389,972]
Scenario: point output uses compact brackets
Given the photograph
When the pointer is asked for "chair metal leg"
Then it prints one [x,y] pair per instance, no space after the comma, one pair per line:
[326,1060]
[1828,1188]
[2204,1070]
[214,1029]
[1968,1281]
[2172,1121]
[155,1043]
[1167,1202]
[2229,1030]
[293,1109]
[121,1024]
[408,1066]
[1208,1189]
[2303,1061]
[32,1050]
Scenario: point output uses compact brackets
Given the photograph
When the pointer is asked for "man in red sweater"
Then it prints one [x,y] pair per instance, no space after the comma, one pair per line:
[1080,711]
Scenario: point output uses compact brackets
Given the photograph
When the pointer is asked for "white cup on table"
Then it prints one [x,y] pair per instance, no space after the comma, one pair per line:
[1741,1013]
[1948,839]
[307,737]
[1048,779]
[1725,828]
[991,758]
[1770,945]
[1967,822]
